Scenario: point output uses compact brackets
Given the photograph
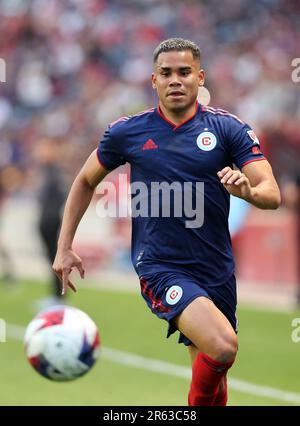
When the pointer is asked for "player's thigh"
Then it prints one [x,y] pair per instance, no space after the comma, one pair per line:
[208,329]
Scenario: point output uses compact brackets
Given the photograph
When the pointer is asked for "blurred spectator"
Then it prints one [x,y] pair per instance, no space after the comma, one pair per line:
[52,194]
[290,189]
[7,275]
[11,179]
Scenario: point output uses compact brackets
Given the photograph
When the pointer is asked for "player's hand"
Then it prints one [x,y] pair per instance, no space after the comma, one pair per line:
[236,183]
[63,264]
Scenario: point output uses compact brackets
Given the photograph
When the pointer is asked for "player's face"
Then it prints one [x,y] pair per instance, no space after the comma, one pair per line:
[176,78]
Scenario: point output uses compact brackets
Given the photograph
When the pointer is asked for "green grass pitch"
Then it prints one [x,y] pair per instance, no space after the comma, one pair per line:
[267,355]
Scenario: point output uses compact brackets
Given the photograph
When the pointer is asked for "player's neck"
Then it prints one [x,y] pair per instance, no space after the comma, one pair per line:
[179,117]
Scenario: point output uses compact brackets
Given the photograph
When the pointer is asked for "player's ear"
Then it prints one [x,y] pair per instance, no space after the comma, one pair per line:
[153,80]
[201,77]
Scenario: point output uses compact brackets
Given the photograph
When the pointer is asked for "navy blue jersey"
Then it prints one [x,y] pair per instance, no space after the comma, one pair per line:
[192,152]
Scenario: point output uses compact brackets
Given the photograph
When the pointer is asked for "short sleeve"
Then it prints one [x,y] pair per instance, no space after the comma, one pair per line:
[244,146]
[109,150]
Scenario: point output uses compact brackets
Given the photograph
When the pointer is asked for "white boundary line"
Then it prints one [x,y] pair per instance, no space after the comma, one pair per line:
[157,366]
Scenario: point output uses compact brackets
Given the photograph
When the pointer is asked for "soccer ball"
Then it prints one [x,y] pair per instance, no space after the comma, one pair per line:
[62,343]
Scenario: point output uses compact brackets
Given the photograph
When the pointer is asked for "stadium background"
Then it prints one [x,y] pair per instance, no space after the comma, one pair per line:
[73,66]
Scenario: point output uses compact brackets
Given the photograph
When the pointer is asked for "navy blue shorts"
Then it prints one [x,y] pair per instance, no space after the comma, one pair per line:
[168,293]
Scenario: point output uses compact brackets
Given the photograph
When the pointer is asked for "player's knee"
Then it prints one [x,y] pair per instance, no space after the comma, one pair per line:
[225,349]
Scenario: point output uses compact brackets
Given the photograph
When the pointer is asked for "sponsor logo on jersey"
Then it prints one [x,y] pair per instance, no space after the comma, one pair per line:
[206,141]
[150,144]
[174,294]
[256,150]
[253,136]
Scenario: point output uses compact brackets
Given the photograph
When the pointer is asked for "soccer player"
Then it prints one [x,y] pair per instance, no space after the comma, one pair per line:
[186,271]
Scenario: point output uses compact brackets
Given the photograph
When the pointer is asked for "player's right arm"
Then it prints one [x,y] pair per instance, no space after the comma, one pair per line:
[77,203]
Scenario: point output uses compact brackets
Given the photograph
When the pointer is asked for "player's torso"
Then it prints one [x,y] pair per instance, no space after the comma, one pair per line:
[194,151]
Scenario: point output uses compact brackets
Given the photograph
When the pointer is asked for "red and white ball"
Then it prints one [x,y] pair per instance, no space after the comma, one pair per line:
[62,343]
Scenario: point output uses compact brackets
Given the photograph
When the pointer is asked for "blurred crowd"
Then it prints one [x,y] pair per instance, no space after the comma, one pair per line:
[73,66]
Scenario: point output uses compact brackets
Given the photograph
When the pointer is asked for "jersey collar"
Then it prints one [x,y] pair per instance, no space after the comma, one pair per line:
[176,126]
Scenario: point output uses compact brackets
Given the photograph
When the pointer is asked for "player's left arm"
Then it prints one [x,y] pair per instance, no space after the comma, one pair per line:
[255,183]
